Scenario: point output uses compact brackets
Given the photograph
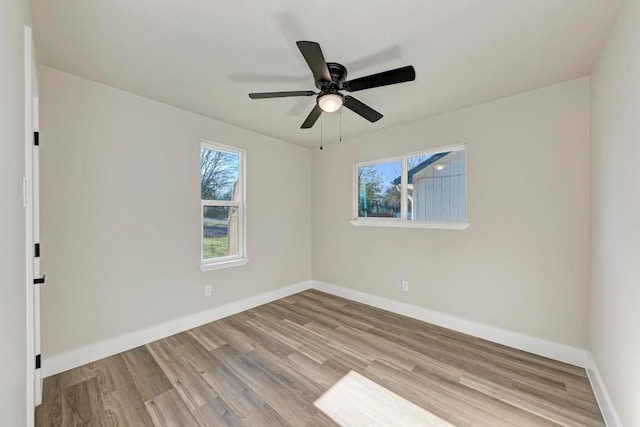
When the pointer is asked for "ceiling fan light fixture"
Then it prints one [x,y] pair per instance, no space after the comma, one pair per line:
[330,102]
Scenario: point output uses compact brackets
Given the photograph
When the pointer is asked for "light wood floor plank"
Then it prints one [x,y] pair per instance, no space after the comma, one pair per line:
[187,380]
[84,404]
[168,410]
[268,365]
[206,338]
[49,412]
[216,413]
[124,404]
[147,376]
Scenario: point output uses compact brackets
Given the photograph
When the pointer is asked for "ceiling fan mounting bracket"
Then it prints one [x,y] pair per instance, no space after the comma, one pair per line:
[338,77]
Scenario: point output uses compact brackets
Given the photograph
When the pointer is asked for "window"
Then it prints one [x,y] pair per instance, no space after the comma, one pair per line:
[222,206]
[426,189]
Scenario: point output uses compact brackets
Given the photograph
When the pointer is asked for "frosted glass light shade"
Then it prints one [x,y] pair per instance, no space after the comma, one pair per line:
[330,102]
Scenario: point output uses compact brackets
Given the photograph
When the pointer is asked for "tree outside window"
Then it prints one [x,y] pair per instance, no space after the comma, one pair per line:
[221,198]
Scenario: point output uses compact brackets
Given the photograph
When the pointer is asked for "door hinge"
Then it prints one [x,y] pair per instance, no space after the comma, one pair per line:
[36,138]
[38,361]
[38,281]
[37,250]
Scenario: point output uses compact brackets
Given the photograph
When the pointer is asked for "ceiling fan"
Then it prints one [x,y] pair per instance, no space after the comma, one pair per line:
[331,78]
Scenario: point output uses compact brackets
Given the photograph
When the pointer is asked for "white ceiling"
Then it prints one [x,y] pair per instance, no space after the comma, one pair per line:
[206,56]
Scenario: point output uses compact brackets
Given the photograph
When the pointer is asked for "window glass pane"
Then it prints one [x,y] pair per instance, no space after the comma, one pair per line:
[379,190]
[218,174]
[436,187]
[219,231]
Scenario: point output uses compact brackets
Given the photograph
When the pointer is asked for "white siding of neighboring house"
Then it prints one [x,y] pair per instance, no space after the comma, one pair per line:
[442,195]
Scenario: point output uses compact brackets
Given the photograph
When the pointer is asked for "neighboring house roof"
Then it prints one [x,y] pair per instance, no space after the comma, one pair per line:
[414,170]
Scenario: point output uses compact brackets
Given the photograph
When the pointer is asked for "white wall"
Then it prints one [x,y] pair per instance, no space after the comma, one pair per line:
[614,338]
[523,264]
[13,354]
[121,213]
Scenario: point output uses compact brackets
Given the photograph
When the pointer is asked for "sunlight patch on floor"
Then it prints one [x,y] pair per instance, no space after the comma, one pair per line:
[358,401]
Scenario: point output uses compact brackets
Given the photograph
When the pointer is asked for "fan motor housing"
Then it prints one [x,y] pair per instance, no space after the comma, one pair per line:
[338,76]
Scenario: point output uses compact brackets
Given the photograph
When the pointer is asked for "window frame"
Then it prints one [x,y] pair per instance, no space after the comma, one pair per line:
[241,257]
[403,222]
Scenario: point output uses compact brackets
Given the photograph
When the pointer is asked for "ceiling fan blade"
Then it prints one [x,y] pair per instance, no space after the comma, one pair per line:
[391,77]
[312,117]
[362,109]
[263,95]
[315,59]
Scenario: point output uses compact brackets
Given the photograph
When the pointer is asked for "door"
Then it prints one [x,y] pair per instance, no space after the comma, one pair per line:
[38,276]
[32,215]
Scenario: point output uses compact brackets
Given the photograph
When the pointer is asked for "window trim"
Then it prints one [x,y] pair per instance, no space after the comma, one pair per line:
[402,222]
[241,258]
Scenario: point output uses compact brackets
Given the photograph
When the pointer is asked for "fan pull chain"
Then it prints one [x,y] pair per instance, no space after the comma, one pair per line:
[321,132]
[341,125]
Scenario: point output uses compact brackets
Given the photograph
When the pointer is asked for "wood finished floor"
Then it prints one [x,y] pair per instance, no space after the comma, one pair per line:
[266,367]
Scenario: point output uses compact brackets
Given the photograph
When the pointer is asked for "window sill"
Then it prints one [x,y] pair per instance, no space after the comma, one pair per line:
[410,224]
[217,265]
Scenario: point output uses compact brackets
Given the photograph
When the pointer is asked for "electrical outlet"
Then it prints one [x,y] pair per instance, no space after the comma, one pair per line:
[405,285]
[207,291]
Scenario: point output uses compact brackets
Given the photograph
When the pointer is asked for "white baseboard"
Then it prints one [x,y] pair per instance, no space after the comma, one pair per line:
[575,356]
[64,361]
[564,353]
[90,353]
[602,396]
[553,350]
